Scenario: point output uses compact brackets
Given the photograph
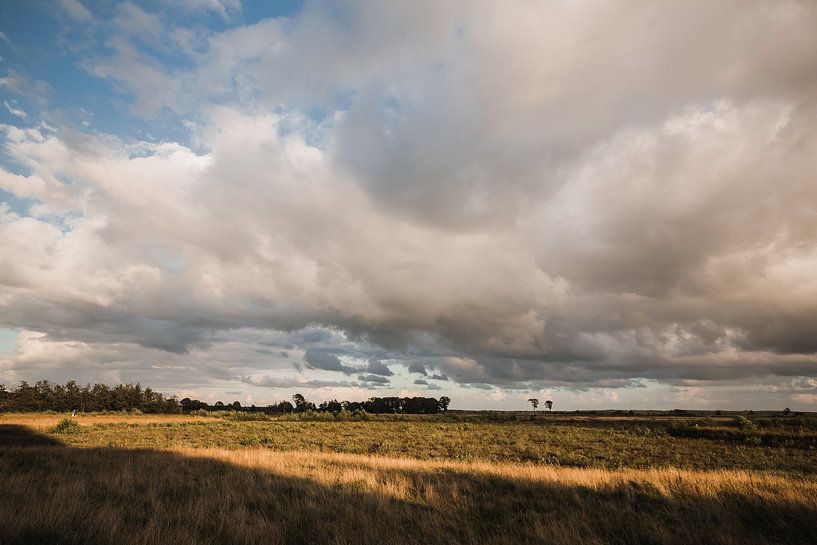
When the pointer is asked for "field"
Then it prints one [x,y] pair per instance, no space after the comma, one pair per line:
[457,478]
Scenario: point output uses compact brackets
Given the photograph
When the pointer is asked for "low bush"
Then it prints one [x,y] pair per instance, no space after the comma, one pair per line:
[745,425]
[251,441]
[67,426]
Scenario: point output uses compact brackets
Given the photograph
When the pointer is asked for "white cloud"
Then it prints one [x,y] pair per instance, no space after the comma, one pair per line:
[16,112]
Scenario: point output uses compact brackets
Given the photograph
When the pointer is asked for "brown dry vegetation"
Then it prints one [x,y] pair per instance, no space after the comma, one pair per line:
[57,493]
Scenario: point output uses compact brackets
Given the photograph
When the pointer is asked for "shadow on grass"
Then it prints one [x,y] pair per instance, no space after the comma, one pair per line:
[59,495]
[12,435]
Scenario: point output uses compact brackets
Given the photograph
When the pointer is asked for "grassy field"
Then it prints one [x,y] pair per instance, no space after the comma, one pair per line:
[443,479]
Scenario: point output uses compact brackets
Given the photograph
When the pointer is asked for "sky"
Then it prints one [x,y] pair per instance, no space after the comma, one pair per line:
[608,204]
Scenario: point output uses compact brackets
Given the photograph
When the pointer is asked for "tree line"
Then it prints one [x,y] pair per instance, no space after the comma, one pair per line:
[299,404]
[47,396]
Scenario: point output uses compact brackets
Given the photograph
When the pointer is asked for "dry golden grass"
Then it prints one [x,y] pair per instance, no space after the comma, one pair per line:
[44,421]
[58,494]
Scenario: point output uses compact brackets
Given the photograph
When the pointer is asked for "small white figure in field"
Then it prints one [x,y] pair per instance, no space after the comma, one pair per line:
[73,412]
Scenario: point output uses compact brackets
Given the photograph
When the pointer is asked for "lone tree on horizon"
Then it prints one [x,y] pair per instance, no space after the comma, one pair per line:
[300,402]
[444,402]
[535,402]
[549,405]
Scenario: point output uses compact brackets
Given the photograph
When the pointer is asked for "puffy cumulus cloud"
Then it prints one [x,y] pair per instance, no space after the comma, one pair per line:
[504,195]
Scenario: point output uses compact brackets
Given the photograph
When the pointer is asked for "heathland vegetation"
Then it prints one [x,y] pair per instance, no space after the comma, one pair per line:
[316,475]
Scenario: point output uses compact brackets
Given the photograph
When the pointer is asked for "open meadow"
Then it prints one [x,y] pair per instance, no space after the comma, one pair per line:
[451,478]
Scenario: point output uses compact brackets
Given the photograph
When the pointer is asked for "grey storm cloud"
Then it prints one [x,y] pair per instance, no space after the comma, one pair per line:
[317,359]
[373,379]
[537,193]
[417,368]
[294,382]
[428,385]
[376,367]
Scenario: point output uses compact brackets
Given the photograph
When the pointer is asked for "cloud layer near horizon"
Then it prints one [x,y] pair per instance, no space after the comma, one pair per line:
[508,194]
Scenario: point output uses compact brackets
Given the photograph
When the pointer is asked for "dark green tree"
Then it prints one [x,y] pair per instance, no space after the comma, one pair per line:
[444,402]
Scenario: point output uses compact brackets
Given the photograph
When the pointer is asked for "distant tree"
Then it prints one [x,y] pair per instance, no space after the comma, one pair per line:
[444,402]
[300,401]
[236,405]
[549,405]
[188,405]
[352,406]
[786,411]
[535,402]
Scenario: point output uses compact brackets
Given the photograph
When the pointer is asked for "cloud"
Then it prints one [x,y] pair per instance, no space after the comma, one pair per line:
[417,368]
[292,382]
[224,8]
[429,386]
[376,367]
[75,10]
[479,386]
[373,379]
[515,198]
[13,82]
[317,359]
[17,112]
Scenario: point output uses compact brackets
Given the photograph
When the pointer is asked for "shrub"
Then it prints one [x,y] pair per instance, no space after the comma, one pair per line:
[67,426]
[745,425]
[251,441]
[240,416]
